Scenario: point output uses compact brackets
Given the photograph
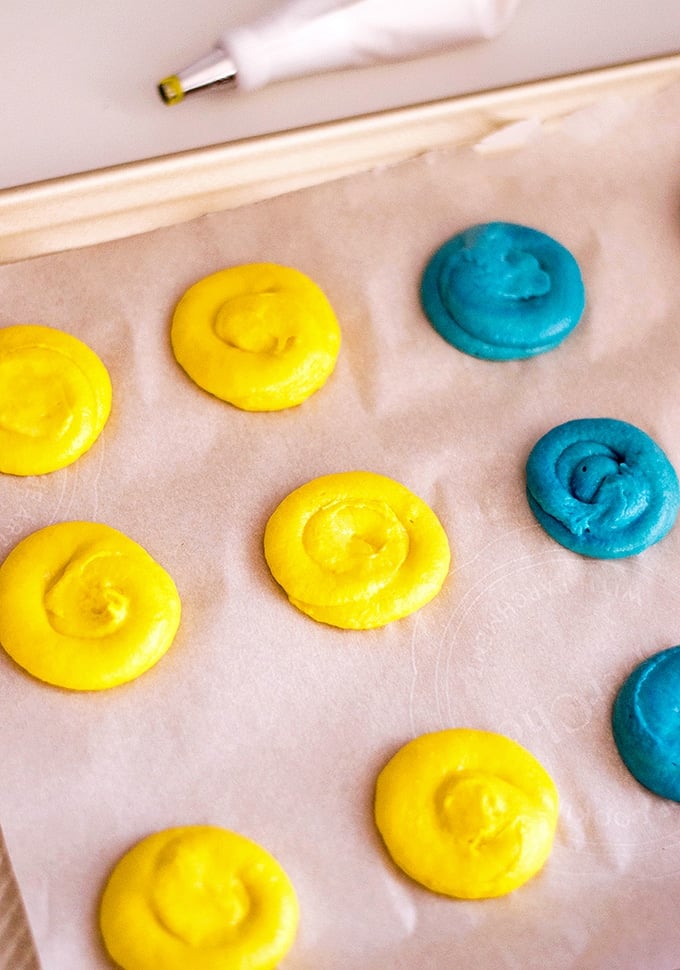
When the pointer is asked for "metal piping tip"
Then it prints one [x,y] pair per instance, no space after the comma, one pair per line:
[216,68]
[170,90]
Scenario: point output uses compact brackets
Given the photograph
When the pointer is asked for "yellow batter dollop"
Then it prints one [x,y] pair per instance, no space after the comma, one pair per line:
[466,813]
[198,898]
[55,398]
[82,606]
[356,550]
[260,336]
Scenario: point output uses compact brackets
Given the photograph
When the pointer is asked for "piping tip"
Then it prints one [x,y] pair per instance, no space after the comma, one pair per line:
[170,90]
[216,68]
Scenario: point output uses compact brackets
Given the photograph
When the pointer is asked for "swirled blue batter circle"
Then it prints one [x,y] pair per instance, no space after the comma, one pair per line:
[502,291]
[646,723]
[602,487]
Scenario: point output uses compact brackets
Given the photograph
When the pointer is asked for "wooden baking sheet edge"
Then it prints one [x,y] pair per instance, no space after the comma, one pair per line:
[112,203]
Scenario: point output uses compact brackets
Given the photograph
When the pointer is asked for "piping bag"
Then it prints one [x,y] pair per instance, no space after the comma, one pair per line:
[314,36]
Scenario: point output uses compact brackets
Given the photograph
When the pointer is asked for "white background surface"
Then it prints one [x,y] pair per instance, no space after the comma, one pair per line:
[79,80]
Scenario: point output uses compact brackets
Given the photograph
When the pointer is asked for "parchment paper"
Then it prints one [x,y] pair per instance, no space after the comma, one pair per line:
[261,720]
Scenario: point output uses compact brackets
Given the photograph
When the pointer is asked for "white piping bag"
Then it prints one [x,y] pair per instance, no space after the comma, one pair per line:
[314,36]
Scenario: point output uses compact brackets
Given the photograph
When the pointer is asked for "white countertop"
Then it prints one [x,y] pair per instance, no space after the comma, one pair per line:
[79,81]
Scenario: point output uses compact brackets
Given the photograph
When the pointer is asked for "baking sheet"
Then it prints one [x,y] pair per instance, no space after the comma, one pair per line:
[265,722]
[117,202]
[17,951]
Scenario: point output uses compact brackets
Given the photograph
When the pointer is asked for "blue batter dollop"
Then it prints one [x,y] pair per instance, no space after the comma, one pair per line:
[646,723]
[602,487]
[503,291]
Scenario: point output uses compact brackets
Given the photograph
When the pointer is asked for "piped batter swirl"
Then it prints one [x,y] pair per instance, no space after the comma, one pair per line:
[55,398]
[82,606]
[260,336]
[503,291]
[466,813]
[356,550]
[602,487]
[198,897]
[646,723]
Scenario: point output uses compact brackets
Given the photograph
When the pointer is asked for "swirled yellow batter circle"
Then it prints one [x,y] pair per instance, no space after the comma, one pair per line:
[84,607]
[198,898]
[55,398]
[466,813]
[261,336]
[356,550]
